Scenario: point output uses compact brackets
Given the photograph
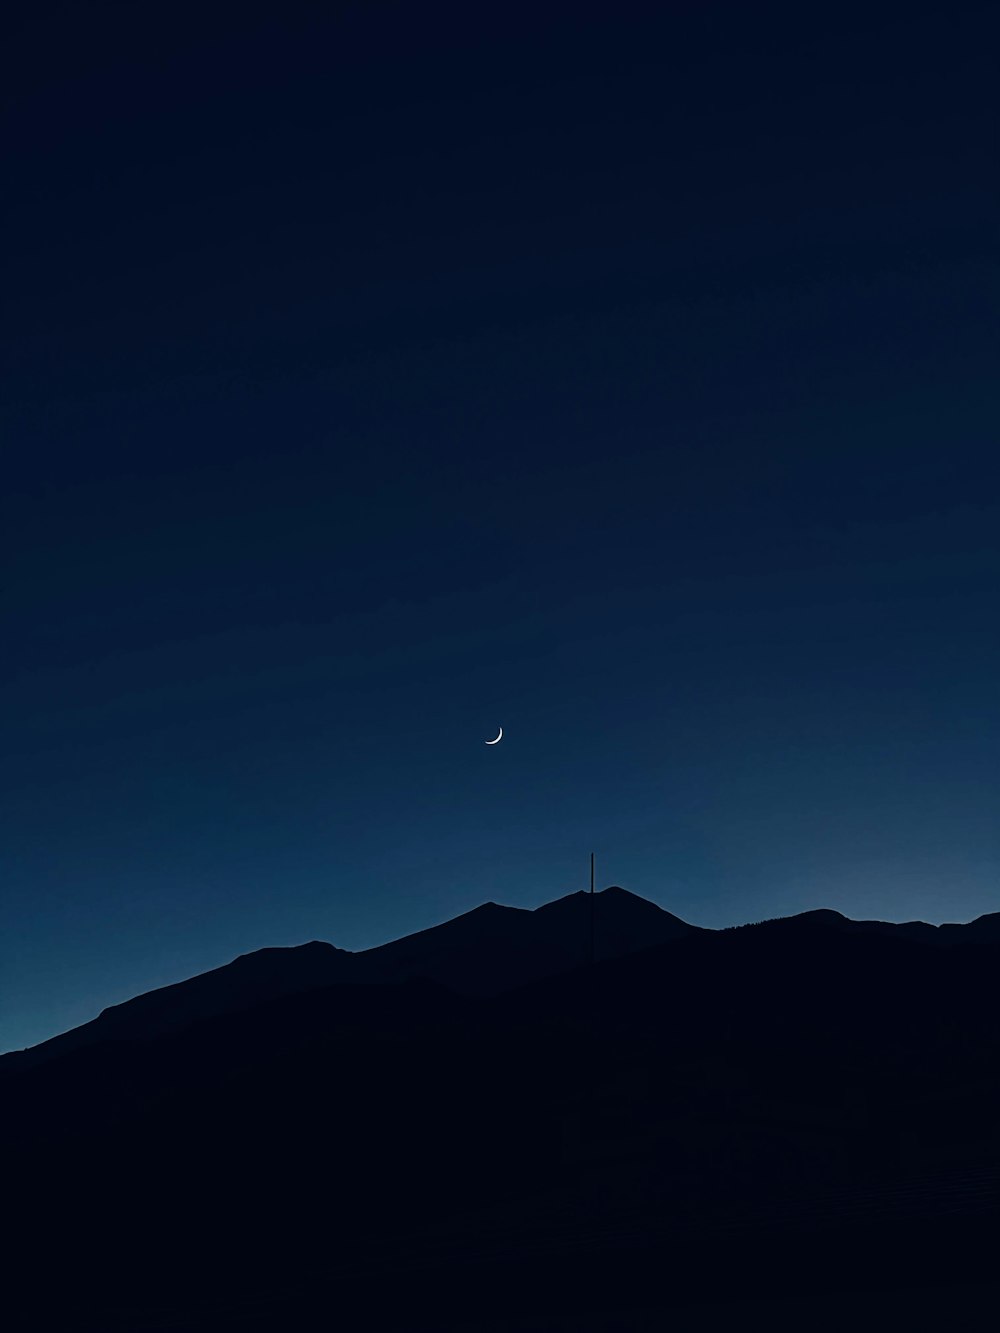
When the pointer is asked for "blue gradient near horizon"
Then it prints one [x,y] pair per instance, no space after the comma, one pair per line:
[632,388]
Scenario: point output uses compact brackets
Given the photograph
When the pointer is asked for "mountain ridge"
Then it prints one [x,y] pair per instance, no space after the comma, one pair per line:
[668,1083]
[487,950]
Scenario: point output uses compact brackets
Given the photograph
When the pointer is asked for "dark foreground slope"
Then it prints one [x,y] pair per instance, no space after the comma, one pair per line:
[795,1123]
[486,951]
[482,952]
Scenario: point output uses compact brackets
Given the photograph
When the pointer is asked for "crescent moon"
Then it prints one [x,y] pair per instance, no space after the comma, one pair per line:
[494,742]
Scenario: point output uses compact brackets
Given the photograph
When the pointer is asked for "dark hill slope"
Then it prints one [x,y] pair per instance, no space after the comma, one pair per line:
[346,1127]
[485,951]
[482,952]
[492,949]
[983,929]
[245,981]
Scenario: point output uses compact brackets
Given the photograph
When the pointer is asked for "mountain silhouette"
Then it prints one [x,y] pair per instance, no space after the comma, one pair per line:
[485,951]
[482,952]
[472,1128]
[983,928]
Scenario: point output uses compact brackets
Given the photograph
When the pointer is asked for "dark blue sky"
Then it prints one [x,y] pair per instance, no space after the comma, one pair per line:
[376,376]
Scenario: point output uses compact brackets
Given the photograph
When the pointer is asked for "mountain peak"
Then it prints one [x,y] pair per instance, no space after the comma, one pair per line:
[484,951]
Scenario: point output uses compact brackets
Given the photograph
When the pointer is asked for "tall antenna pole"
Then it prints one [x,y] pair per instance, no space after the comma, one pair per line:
[591,909]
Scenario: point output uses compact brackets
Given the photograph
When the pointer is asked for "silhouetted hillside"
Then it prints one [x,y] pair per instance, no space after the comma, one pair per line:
[983,928]
[482,952]
[802,1110]
[243,982]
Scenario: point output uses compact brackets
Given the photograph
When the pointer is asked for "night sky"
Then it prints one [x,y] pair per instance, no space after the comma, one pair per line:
[378,375]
